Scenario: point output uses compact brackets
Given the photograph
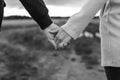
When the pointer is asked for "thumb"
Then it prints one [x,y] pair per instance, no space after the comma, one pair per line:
[54,32]
[53,43]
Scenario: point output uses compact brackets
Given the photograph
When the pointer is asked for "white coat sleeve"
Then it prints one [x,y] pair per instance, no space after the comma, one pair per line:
[79,21]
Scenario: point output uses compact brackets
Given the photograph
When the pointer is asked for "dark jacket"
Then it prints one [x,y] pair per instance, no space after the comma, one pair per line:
[37,9]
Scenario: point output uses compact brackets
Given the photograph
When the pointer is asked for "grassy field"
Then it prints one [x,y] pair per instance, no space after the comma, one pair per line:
[26,54]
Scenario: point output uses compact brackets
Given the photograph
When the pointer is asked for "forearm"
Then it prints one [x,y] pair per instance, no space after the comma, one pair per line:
[38,11]
[78,22]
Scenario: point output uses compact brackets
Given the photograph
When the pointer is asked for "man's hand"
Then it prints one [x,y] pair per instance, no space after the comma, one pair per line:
[51,32]
[62,38]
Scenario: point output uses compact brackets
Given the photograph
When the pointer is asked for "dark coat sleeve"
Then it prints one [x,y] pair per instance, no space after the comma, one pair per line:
[39,12]
[2,4]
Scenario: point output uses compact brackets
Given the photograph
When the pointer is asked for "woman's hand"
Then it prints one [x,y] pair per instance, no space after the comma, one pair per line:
[62,38]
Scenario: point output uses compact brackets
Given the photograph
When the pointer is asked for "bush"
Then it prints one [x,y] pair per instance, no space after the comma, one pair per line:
[84,47]
[27,65]
[31,39]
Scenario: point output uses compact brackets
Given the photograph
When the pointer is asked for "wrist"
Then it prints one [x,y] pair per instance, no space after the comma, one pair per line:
[52,26]
[48,27]
[70,32]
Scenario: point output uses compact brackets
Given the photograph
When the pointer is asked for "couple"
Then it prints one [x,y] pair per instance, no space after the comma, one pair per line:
[61,36]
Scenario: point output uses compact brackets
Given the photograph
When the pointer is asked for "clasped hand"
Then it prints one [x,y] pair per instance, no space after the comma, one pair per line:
[57,36]
[62,38]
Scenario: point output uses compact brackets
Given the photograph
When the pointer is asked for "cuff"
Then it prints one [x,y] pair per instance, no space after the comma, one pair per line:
[45,22]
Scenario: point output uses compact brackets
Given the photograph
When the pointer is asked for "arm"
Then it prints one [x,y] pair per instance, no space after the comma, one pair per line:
[79,21]
[39,12]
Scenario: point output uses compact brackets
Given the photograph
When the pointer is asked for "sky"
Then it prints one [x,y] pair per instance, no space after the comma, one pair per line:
[56,7]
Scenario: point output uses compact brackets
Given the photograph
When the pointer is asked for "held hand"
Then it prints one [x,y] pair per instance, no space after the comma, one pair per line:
[51,32]
[62,38]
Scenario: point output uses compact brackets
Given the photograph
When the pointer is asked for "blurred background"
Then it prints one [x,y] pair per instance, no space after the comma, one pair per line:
[26,54]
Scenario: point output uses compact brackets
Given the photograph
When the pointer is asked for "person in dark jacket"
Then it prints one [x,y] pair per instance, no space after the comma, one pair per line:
[39,12]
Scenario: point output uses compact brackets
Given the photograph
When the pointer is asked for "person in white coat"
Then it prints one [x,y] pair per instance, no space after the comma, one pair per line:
[109,30]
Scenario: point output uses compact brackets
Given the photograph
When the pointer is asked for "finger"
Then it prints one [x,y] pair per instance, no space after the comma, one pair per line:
[61,36]
[62,45]
[58,38]
[54,32]
[58,35]
[53,43]
[67,40]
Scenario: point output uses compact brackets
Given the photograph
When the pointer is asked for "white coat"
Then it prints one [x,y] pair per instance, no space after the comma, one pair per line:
[109,27]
